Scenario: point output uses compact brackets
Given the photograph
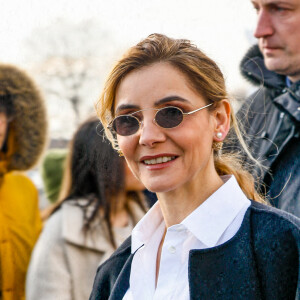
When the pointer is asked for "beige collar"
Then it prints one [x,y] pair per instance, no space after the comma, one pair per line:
[97,237]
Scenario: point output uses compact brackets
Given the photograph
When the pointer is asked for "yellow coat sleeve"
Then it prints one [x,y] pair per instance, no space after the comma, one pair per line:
[20,225]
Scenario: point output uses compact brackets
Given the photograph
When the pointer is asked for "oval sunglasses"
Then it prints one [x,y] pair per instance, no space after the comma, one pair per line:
[166,117]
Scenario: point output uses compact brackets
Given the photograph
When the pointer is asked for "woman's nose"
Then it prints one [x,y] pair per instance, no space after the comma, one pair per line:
[150,133]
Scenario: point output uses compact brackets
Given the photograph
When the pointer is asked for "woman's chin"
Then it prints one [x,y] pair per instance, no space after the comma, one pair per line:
[160,187]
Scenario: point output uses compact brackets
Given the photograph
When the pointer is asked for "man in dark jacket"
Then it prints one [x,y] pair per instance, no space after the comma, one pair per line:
[271,116]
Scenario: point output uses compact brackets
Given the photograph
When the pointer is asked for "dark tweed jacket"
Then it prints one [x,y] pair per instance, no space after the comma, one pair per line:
[260,262]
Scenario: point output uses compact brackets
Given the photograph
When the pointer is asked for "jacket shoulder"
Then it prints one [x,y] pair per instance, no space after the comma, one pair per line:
[270,216]
[275,235]
[19,194]
[52,231]
[256,103]
[95,239]
[108,272]
[18,178]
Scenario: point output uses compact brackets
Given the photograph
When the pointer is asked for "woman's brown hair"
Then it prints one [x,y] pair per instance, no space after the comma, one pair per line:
[205,78]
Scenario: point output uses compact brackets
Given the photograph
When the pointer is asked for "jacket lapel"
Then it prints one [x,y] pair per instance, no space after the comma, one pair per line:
[122,283]
[72,230]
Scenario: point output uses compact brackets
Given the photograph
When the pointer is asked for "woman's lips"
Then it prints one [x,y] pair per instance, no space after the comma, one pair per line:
[158,161]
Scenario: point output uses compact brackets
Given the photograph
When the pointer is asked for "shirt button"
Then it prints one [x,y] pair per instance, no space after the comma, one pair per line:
[172,249]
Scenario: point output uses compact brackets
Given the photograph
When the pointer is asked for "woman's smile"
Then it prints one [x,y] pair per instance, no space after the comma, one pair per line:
[158,162]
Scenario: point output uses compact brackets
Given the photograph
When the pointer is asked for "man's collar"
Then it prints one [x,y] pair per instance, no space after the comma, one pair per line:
[254,70]
[288,82]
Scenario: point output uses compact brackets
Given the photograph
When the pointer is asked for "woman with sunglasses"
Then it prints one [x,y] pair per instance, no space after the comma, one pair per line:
[166,109]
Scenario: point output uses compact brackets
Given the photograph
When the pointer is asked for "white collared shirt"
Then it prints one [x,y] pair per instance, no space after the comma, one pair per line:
[213,223]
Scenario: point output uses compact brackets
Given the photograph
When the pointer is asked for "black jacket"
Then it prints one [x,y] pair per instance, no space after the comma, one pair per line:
[260,262]
[271,119]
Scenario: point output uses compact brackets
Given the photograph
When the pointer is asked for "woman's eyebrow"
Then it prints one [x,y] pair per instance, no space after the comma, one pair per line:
[169,99]
[156,103]
[126,106]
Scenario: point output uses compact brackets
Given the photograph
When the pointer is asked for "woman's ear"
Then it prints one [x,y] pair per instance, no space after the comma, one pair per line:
[222,120]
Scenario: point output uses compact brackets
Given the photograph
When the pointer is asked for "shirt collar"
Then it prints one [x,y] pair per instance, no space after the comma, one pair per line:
[288,82]
[146,227]
[207,222]
[210,220]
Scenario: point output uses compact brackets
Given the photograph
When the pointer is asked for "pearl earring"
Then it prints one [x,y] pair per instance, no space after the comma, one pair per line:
[219,135]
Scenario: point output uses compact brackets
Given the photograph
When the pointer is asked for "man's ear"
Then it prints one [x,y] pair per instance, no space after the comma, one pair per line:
[222,120]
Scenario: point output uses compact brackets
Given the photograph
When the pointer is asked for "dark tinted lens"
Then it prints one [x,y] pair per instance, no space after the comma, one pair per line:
[169,117]
[125,125]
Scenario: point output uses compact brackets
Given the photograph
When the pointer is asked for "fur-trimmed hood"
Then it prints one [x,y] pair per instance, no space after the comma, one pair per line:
[27,131]
[254,70]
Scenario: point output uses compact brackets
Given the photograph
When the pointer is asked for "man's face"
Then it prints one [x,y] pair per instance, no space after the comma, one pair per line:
[3,128]
[278,33]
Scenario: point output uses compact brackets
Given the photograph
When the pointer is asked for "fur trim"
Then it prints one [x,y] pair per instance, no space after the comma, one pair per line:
[251,54]
[254,70]
[29,125]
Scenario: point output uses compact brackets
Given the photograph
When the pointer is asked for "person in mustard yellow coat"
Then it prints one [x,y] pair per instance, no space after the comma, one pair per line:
[22,139]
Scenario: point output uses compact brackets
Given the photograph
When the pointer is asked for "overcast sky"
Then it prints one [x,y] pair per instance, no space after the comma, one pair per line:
[222,28]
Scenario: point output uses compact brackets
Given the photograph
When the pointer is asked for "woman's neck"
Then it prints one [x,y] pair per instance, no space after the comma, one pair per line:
[177,204]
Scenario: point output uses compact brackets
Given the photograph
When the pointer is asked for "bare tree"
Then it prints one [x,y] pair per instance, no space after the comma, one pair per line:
[69,58]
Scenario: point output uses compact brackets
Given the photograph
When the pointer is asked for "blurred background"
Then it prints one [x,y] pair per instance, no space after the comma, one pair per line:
[70,46]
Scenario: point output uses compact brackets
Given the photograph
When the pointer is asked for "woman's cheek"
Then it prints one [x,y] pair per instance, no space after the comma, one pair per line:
[128,144]
[122,144]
